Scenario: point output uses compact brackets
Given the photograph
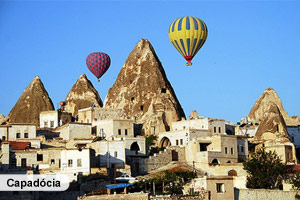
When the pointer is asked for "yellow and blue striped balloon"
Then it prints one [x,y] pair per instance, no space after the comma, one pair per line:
[188,34]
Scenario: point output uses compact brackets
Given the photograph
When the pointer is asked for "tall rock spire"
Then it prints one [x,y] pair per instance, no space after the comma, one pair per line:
[272,125]
[82,95]
[33,100]
[261,106]
[143,91]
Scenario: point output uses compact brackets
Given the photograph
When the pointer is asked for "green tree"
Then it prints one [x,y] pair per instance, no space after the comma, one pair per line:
[150,140]
[265,170]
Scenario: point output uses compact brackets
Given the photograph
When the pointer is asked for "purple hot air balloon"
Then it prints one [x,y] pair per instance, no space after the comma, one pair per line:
[98,63]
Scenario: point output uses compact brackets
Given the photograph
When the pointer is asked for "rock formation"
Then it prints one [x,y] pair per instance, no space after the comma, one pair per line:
[143,91]
[82,95]
[272,135]
[33,100]
[272,125]
[262,104]
[193,115]
[2,118]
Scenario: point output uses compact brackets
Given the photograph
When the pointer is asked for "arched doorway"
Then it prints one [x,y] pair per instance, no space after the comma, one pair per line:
[232,173]
[215,162]
[165,142]
[135,147]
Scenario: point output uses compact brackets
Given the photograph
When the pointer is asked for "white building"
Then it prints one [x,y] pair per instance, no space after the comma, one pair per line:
[186,130]
[75,130]
[95,114]
[216,150]
[75,162]
[135,146]
[119,128]
[14,132]
[54,118]
[215,126]
[112,153]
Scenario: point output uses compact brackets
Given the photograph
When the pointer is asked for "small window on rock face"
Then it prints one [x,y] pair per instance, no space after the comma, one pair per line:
[163,90]
[142,107]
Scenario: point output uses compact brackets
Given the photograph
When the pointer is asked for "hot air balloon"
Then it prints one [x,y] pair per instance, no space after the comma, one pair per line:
[98,63]
[188,34]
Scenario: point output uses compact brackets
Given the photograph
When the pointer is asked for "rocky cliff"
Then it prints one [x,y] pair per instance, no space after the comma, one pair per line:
[272,125]
[256,114]
[33,100]
[143,91]
[82,95]
[2,118]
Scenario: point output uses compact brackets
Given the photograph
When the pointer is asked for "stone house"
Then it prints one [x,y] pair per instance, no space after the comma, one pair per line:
[54,118]
[95,114]
[118,128]
[14,132]
[75,162]
[112,153]
[75,130]
[214,126]
[216,150]
[220,187]
[187,130]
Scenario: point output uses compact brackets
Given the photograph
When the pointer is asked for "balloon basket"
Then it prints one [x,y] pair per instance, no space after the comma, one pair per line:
[98,80]
[188,64]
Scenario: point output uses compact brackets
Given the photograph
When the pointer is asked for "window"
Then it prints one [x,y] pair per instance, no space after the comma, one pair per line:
[163,90]
[45,124]
[116,154]
[125,131]
[232,151]
[181,141]
[119,131]
[79,164]
[215,129]
[70,163]
[183,127]
[203,146]
[52,161]
[51,124]
[225,150]
[242,149]
[219,129]
[220,187]
[132,99]
[18,135]
[95,119]
[142,107]
[40,157]
[25,135]
[3,138]
[176,142]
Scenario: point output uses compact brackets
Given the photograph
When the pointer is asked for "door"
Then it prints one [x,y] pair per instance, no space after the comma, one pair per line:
[174,155]
[23,162]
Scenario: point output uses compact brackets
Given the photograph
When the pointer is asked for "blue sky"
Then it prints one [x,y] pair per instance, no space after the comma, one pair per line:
[251,45]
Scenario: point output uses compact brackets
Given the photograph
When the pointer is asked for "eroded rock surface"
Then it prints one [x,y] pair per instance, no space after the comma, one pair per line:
[261,106]
[33,100]
[82,95]
[143,91]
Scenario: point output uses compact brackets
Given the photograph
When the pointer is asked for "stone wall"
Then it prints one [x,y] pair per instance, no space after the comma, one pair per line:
[157,160]
[258,194]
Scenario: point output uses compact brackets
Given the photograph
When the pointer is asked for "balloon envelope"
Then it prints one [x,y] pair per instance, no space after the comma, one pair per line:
[188,34]
[98,63]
